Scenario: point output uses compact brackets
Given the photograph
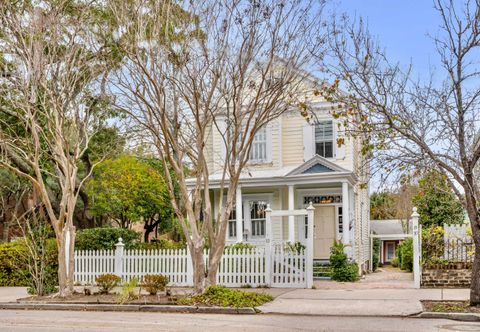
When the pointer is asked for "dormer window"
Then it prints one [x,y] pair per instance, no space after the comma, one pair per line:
[324,139]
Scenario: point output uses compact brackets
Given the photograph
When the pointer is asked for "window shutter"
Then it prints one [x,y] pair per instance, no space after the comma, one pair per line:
[269,142]
[222,153]
[308,141]
[339,139]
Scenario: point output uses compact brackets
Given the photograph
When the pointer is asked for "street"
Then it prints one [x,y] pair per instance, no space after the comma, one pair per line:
[125,321]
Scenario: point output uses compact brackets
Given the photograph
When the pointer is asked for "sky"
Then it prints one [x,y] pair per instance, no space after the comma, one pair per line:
[401,27]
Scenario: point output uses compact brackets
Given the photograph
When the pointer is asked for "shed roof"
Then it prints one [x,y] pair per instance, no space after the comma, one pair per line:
[387,227]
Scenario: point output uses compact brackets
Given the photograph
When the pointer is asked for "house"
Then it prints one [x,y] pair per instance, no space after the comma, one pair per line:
[390,233]
[292,163]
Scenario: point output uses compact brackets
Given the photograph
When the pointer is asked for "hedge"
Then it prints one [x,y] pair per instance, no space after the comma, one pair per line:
[106,238]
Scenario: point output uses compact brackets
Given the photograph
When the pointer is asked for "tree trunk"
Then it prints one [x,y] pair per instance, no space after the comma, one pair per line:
[473,215]
[199,275]
[475,283]
[65,273]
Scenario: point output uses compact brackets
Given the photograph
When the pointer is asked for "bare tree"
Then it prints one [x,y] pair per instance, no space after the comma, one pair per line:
[206,68]
[52,55]
[416,124]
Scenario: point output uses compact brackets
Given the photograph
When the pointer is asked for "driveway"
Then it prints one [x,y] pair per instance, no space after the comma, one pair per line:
[11,294]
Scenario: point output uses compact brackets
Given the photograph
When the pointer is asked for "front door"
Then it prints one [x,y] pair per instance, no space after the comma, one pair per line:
[324,231]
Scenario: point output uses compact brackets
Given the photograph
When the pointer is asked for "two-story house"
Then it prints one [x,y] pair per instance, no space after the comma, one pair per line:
[293,162]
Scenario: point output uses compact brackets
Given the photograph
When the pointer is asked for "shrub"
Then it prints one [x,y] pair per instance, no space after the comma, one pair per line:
[348,272]
[395,262]
[14,266]
[160,244]
[342,270]
[154,283]
[296,247]
[240,246]
[376,253]
[106,282]
[405,254]
[128,291]
[226,297]
[106,238]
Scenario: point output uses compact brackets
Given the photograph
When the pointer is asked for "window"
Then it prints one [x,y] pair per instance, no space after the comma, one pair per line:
[324,139]
[340,220]
[390,251]
[257,217]
[258,150]
[232,223]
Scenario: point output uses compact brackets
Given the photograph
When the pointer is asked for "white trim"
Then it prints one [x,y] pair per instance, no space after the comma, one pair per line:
[268,197]
[316,159]
[280,142]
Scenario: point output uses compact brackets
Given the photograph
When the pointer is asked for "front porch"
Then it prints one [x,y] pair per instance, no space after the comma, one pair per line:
[332,218]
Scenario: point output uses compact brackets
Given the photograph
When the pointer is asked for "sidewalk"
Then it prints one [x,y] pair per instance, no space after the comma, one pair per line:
[359,302]
[11,294]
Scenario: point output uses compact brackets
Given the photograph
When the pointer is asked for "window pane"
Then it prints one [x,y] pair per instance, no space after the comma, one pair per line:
[328,150]
[258,150]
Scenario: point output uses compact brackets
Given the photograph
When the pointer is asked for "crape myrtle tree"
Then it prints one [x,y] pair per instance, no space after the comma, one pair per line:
[429,125]
[202,67]
[54,55]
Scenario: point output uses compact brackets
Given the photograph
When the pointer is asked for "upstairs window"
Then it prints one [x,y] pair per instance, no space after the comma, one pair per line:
[258,150]
[324,139]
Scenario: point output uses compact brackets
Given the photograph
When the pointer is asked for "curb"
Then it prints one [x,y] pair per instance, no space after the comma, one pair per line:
[461,316]
[126,307]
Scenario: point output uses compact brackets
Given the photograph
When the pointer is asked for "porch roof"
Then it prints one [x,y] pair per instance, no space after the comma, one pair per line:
[313,171]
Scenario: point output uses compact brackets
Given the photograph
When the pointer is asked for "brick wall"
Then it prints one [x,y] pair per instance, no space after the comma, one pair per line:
[446,278]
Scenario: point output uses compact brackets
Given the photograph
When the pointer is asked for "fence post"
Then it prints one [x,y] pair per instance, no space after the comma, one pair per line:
[189,268]
[416,249]
[119,258]
[309,254]
[268,246]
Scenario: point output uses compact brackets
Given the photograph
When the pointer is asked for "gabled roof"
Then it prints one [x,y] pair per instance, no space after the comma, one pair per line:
[387,227]
[317,164]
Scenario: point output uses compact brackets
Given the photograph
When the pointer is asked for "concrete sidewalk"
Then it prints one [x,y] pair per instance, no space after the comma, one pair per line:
[361,302]
[11,294]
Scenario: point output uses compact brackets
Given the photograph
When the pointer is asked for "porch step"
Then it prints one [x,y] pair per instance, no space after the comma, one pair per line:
[321,269]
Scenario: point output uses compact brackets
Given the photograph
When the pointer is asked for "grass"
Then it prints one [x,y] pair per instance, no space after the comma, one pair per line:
[226,297]
[449,306]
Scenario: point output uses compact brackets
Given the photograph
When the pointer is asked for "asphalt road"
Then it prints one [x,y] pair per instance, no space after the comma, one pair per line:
[40,321]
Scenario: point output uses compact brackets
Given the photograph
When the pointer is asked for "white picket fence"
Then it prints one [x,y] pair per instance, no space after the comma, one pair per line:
[272,266]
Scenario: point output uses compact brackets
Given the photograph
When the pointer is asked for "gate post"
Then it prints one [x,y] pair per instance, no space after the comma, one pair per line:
[268,245]
[309,253]
[416,249]
[119,258]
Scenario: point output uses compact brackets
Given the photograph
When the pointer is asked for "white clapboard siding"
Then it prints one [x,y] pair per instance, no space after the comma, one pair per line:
[270,266]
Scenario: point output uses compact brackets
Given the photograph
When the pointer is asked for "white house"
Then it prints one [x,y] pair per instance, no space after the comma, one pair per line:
[292,163]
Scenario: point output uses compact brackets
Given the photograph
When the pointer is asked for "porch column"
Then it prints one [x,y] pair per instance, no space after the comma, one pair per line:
[346,214]
[239,213]
[291,219]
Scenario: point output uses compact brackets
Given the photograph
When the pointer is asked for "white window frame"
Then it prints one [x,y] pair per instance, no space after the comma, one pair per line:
[332,140]
[247,221]
[267,158]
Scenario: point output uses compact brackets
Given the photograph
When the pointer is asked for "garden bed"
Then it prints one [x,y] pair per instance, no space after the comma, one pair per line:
[79,298]
[450,306]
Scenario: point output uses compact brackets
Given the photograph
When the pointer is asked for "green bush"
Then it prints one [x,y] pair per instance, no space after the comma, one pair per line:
[296,247]
[154,283]
[226,297]
[405,254]
[376,253]
[395,262]
[342,269]
[348,272]
[128,291]
[106,282]
[106,238]
[240,246]
[14,271]
[160,244]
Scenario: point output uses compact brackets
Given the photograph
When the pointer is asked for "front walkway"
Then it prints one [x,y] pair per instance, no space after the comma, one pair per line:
[388,292]
[385,277]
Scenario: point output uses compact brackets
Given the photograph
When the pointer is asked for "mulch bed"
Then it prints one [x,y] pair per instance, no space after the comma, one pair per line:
[99,299]
[449,306]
